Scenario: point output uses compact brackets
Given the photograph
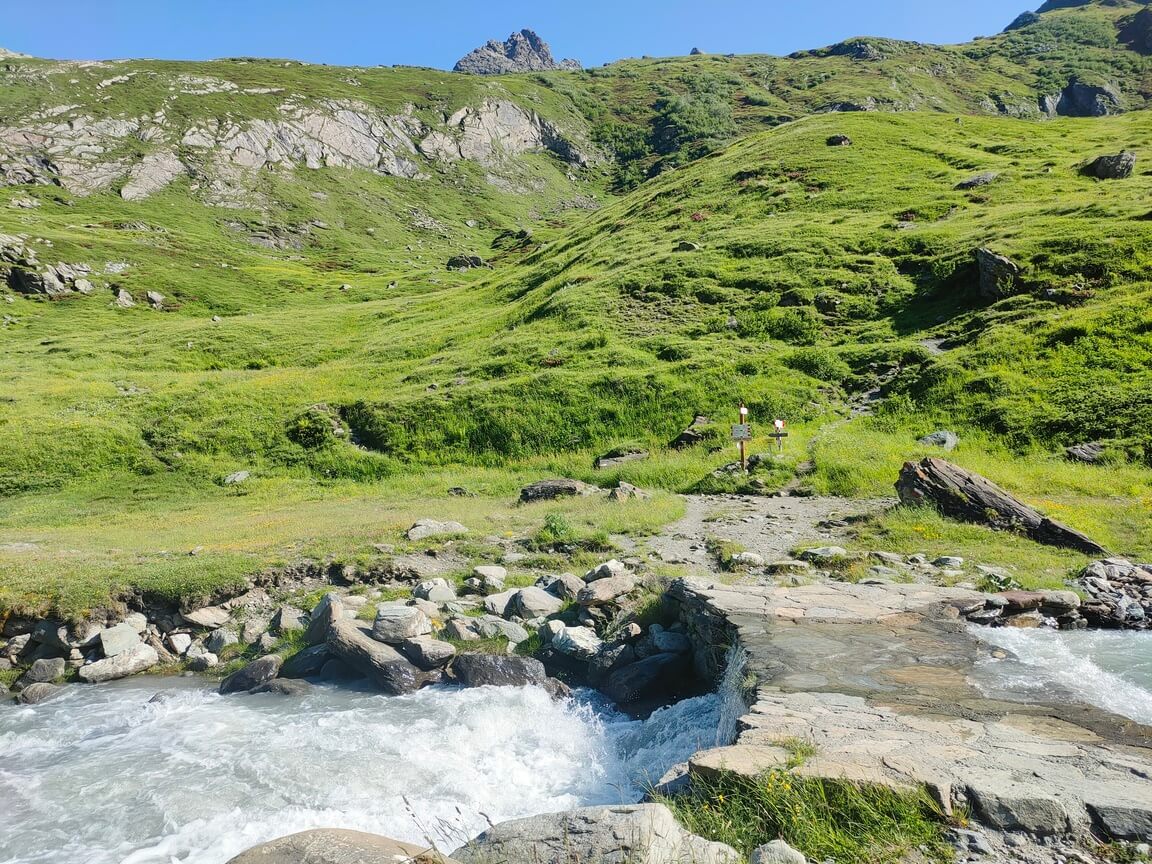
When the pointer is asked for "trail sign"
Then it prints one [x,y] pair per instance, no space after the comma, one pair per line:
[742,432]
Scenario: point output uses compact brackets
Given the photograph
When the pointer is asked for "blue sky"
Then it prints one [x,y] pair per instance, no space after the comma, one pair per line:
[430,33]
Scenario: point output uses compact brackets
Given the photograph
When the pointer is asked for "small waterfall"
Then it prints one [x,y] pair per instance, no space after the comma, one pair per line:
[731,693]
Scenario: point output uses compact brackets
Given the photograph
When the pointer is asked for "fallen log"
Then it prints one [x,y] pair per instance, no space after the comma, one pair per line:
[968,497]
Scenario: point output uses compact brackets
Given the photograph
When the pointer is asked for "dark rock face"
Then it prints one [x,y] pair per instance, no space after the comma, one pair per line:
[1082,100]
[1118,167]
[465,262]
[1024,19]
[653,677]
[839,141]
[306,663]
[1136,32]
[253,675]
[480,670]
[521,52]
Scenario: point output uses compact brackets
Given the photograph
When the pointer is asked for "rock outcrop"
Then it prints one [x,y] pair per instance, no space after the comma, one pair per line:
[1117,167]
[520,52]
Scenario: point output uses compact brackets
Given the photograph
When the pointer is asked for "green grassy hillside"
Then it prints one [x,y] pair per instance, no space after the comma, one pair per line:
[314,337]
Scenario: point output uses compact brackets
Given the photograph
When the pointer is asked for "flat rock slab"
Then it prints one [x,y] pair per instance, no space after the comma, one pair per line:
[136,659]
[877,677]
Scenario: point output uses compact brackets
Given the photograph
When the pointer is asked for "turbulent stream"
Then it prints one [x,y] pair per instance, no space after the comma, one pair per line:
[1108,669]
[103,775]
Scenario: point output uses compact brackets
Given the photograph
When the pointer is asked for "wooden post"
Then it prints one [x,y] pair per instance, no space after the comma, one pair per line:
[743,444]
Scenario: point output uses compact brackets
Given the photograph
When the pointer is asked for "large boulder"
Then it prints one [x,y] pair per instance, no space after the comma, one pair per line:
[580,642]
[306,663]
[34,694]
[533,602]
[118,639]
[329,610]
[426,653]
[425,528]
[252,675]
[549,490]
[498,670]
[44,671]
[564,585]
[386,667]
[492,627]
[602,592]
[1117,167]
[998,274]
[337,846]
[1079,99]
[627,834]
[139,658]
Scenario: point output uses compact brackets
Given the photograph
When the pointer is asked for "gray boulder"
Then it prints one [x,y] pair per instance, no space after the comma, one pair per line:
[283,687]
[289,619]
[942,438]
[387,668]
[550,490]
[435,591]
[220,639]
[209,616]
[564,585]
[1117,167]
[394,623]
[253,675]
[337,846]
[491,627]
[606,571]
[490,577]
[777,852]
[998,274]
[427,653]
[425,528]
[324,615]
[977,180]
[498,670]
[1089,453]
[577,642]
[44,671]
[139,658]
[498,604]
[602,592]
[533,602]
[306,663]
[118,639]
[34,694]
[627,834]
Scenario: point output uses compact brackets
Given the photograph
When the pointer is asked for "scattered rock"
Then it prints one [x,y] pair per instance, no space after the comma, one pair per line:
[237,478]
[564,585]
[747,559]
[606,571]
[139,658]
[1118,167]
[252,675]
[179,643]
[435,591]
[1089,453]
[697,432]
[627,492]
[289,619]
[687,246]
[220,639]
[633,833]
[498,604]
[491,627]
[617,458]
[465,262]
[824,554]
[426,528]
[44,671]
[839,141]
[581,642]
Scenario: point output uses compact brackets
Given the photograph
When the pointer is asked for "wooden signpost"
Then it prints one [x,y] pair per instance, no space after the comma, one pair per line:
[742,434]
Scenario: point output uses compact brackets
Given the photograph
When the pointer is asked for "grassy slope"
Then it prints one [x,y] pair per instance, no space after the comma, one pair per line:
[820,269]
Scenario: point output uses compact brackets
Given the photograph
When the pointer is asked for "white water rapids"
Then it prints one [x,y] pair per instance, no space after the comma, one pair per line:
[101,775]
[1106,668]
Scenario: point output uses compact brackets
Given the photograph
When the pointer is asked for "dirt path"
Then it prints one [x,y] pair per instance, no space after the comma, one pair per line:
[770,527]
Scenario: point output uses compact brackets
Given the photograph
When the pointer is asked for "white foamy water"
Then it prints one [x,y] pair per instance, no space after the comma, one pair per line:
[1109,669]
[102,776]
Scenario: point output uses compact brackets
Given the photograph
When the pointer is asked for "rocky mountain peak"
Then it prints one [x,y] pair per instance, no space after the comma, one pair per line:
[521,52]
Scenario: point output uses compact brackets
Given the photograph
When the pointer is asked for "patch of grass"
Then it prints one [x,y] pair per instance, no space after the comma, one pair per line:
[824,819]
[724,551]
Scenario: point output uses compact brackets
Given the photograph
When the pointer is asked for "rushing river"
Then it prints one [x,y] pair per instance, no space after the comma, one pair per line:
[1109,669]
[103,775]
